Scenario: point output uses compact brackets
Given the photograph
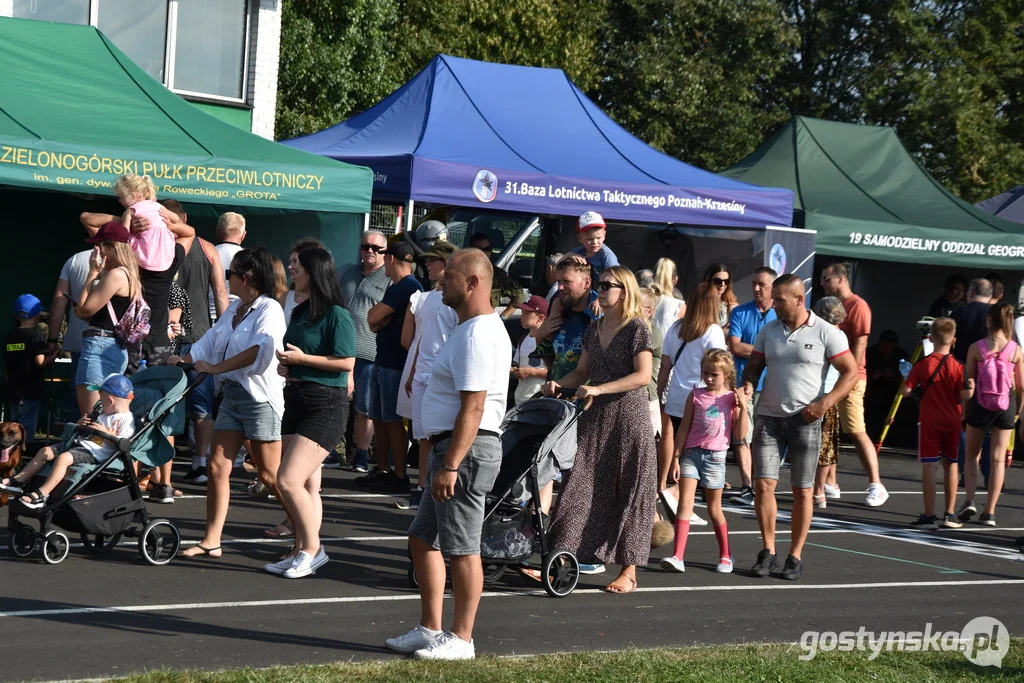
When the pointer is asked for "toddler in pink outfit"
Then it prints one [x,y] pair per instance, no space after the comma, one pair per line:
[153,247]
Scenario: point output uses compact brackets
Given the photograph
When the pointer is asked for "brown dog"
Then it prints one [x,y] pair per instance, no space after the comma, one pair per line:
[12,447]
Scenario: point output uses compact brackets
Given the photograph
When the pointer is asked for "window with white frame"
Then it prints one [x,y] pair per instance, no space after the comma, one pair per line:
[196,47]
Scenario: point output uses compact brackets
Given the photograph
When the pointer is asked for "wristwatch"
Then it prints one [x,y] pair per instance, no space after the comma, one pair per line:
[449,469]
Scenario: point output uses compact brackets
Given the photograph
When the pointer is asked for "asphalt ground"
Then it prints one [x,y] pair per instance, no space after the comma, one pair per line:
[99,616]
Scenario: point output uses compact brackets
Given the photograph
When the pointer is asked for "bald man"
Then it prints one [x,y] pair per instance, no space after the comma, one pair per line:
[797,349]
[462,412]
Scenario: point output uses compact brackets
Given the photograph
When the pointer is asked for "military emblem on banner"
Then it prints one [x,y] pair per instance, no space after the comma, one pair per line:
[777,258]
[485,185]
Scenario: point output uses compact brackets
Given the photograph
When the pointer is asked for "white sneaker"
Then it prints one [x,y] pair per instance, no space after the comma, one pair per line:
[724,566]
[448,646]
[416,639]
[673,564]
[305,564]
[280,566]
[877,495]
[832,492]
[697,521]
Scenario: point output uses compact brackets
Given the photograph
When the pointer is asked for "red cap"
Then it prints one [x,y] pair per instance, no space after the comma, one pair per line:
[111,232]
[589,220]
[535,304]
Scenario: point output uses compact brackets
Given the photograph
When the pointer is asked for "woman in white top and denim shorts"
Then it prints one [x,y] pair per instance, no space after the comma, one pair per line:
[239,351]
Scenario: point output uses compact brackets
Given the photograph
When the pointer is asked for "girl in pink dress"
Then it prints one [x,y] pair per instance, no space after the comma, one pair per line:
[714,415]
[153,247]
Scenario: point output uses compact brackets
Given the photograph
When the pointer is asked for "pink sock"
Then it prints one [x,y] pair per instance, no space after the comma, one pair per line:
[722,534]
[682,531]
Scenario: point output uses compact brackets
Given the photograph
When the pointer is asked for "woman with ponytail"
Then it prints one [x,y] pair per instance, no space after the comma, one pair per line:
[993,376]
[240,352]
[670,305]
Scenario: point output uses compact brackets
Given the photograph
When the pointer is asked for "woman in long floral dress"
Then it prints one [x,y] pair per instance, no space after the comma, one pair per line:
[606,508]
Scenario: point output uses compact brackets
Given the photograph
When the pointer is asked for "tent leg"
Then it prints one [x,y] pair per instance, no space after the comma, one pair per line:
[366,222]
[408,215]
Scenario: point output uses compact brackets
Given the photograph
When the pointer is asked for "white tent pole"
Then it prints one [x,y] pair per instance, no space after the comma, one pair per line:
[408,215]
[366,222]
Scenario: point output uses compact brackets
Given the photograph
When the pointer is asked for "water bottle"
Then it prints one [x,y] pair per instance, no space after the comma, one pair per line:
[905,366]
[142,365]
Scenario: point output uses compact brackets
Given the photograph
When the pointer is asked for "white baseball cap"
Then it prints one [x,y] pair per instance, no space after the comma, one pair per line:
[589,220]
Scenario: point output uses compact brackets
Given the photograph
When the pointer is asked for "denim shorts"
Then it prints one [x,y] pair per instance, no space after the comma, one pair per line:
[384,386]
[799,440]
[707,467]
[315,411]
[454,526]
[361,378]
[101,356]
[240,412]
[201,399]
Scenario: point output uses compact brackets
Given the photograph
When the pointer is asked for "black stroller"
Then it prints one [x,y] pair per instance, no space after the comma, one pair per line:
[103,502]
[538,441]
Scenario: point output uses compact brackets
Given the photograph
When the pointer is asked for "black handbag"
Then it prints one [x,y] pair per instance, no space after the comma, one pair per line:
[917,393]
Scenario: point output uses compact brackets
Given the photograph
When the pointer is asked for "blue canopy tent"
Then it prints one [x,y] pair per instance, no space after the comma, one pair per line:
[500,136]
[1008,205]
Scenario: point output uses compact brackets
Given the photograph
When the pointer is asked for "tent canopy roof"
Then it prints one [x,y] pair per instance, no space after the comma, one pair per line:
[530,128]
[867,197]
[1008,205]
[74,107]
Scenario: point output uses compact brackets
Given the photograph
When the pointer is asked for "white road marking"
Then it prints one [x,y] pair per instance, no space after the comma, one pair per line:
[181,607]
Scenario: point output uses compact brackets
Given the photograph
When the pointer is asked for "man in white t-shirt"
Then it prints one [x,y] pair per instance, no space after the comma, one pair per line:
[462,412]
[230,234]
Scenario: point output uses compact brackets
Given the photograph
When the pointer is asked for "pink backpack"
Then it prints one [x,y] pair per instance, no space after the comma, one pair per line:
[995,377]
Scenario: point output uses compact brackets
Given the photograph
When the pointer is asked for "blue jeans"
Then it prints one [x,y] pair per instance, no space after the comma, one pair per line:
[27,413]
[384,386]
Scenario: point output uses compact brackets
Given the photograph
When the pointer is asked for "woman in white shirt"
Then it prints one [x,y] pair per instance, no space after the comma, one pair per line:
[239,351]
[685,345]
[670,305]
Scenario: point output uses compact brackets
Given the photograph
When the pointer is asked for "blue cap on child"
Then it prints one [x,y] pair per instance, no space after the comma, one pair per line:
[115,385]
[27,306]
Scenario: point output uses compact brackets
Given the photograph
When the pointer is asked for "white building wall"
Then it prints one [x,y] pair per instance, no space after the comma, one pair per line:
[264,55]
[6,8]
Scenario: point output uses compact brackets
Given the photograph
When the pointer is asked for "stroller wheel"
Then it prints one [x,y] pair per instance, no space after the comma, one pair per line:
[560,573]
[159,542]
[23,540]
[493,572]
[55,547]
[98,543]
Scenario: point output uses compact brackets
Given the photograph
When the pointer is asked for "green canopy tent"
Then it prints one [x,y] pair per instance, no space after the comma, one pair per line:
[869,199]
[76,113]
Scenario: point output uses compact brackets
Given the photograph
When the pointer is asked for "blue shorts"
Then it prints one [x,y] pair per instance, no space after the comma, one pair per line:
[384,385]
[240,412]
[101,356]
[707,467]
[201,399]
[361,378]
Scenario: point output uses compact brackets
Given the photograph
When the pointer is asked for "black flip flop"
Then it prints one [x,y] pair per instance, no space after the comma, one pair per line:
[206,552]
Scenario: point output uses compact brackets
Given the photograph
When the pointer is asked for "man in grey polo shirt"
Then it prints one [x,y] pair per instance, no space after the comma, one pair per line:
[362,286]
[462,412]
[797,348]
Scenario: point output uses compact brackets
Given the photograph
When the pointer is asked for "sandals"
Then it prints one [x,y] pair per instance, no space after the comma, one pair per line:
[617,591]
[10,485]
[279,531]
[36,500]
[203,552]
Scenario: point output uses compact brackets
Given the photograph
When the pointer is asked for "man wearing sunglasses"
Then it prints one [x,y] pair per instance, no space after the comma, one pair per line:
[363,284]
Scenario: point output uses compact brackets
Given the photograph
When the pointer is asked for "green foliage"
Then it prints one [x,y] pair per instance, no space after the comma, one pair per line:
[703,80]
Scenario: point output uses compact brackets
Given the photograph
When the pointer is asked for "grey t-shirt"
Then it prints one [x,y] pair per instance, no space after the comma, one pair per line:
[361,294]
[798,362]
[75,270]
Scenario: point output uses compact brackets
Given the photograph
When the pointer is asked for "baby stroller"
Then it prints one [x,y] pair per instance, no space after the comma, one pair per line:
[103,502]
[538,440]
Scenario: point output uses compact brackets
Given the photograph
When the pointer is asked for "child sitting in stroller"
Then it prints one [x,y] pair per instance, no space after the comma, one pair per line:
[116,394]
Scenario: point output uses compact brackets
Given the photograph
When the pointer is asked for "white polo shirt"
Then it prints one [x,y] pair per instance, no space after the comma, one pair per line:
[798,362]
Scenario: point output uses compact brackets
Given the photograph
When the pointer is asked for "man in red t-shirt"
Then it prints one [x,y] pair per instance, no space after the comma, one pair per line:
[835,280]
[941,377]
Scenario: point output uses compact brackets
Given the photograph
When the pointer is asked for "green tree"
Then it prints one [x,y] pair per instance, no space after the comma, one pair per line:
[693,77]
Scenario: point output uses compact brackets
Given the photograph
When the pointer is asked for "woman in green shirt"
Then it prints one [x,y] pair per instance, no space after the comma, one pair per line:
[319,352]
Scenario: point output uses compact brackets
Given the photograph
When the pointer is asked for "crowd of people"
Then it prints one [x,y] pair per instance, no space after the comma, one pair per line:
[668,387]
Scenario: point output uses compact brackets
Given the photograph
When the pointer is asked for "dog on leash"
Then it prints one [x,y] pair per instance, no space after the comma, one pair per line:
[12,447]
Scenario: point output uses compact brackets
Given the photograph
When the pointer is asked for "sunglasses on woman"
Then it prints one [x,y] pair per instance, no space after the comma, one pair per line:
[720,282]
[605,286]
[376,248]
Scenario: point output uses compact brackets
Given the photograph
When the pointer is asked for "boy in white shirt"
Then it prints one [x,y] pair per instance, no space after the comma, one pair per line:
[116,394]
[531,372]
